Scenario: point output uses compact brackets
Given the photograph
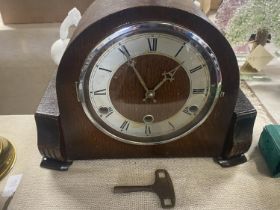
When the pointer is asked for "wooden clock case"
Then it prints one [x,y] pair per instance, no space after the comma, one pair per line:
[66,134]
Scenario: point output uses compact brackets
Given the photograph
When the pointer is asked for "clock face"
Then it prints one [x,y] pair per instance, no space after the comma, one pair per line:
[149,83]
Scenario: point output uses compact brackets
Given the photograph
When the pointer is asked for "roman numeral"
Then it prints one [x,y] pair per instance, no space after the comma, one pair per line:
[152,44]
[148,130]
[196,68]
[124,126]
[110,111]
[187,111]
[100,92]
[124,51]
[103,69]
[180,50]
[198,91]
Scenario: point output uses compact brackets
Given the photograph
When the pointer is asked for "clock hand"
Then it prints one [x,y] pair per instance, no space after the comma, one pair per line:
[131,64]
[150,94]
[168,76]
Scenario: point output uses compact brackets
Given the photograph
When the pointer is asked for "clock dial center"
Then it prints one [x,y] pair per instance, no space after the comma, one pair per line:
[164,98]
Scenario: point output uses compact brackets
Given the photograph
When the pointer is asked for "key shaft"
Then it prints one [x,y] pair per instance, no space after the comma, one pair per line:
[128,189]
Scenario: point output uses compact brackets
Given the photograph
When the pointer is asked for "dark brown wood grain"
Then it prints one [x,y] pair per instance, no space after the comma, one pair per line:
[49,132]
[51,140]
[83,140]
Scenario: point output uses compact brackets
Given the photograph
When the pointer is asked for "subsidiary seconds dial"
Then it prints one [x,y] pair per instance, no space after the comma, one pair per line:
[149,83]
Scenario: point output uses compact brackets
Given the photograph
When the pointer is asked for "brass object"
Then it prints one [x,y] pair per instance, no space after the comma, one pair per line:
[7,157]
[162,186]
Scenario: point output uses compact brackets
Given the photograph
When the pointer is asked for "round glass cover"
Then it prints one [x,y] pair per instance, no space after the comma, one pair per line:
[149,83]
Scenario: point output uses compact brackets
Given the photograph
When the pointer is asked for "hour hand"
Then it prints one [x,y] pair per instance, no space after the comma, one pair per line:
[168,76]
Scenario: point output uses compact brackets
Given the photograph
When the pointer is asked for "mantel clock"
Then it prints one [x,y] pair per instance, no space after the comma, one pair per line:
[145,79]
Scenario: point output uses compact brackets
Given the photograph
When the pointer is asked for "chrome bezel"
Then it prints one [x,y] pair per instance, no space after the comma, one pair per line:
[152,26]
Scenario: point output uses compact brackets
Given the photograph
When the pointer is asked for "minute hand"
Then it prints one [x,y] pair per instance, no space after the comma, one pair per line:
[167,76]
[138,75]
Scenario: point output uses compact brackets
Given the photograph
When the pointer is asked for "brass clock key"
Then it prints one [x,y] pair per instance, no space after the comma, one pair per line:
[162,186]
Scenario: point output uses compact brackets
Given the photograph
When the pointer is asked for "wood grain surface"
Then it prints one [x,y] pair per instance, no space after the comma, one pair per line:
[83,140]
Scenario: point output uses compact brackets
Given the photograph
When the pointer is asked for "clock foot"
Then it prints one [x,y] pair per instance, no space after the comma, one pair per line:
[229,162]
[53,164]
